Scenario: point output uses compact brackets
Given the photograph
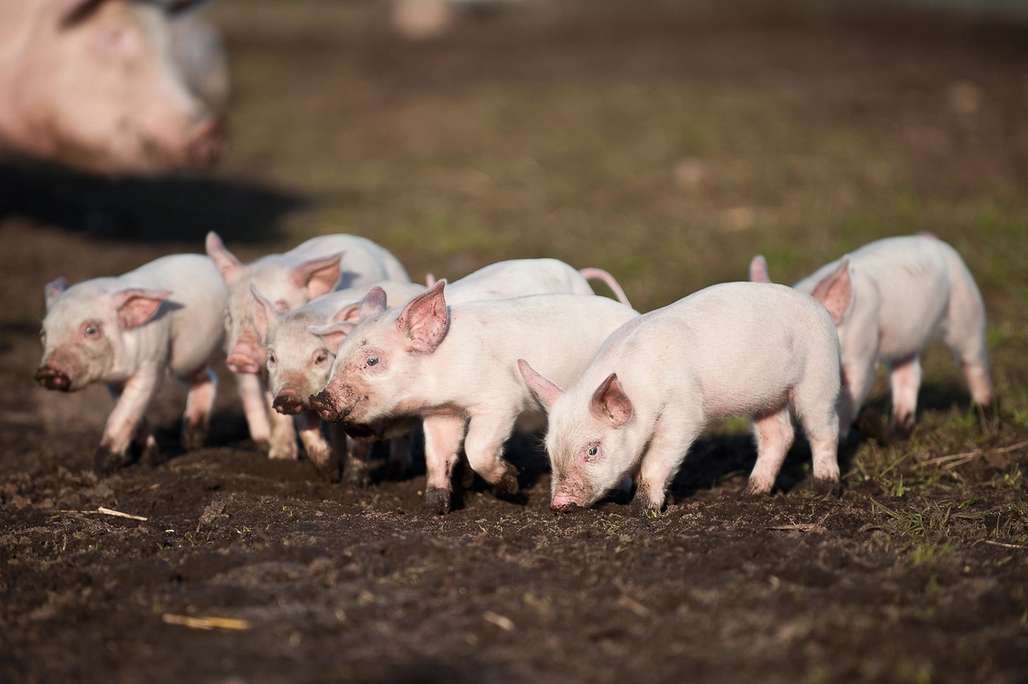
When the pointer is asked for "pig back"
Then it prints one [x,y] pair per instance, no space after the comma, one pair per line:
[198,301]
[364,262]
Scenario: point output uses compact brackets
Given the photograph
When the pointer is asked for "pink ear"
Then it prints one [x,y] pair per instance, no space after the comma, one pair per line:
[226,262]
[320,275]
[137,306]
[350,313]
[758,270]
[610,402]
[332,335]
[263,313]
[542,389]
[835,291]
[53,290]
[426,320]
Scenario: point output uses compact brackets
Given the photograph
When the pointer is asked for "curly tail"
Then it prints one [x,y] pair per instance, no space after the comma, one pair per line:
[609,280]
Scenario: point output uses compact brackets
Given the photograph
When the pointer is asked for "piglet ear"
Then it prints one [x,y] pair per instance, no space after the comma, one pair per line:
[835,291]
[610,402]
[758,270]
[332,334]
[136,306]
[264,313]
[319,276]
[53,290]
[425,320]
[542,389]
[226,262]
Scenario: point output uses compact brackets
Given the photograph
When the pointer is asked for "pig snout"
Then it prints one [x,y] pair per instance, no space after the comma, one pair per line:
[53,378]
[325,405]
[563,503]
[206,142]
[288,403]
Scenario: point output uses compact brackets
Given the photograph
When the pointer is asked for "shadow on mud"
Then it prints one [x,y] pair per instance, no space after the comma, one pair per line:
[159,209]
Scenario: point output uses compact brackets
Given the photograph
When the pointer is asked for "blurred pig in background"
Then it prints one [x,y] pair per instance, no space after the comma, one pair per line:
[117,86]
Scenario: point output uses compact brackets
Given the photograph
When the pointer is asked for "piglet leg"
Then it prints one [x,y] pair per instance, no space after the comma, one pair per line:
[672,437]
[283,433]
[487,433]
[254,407]
[199,402]
[123,423]
[443,437]
[905,381]
[774,434]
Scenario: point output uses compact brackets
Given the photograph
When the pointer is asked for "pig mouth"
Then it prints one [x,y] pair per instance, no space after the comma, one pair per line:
[325,406]
[53,379]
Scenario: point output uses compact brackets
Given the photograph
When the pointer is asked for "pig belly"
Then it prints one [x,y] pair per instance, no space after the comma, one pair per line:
[911,320]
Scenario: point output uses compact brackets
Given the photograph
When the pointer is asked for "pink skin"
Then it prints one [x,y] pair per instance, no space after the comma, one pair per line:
[130,332]
[659,379]
[96,83]
[454,368]
[888,300]
[289,280]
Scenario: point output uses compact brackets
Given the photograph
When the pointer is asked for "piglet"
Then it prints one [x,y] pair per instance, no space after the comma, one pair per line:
[129,332]
[299,362]
[735,349]
[888,300]
[315,267]
[455,368]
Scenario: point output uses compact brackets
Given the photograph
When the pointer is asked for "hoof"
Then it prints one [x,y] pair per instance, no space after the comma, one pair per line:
[150,454]
[507,486]
[357,474]
[193,437]
[642,507]
[825,487]
[754,491]
[437,500]
[330,470]
[900,429]
[106,461]
[284,453]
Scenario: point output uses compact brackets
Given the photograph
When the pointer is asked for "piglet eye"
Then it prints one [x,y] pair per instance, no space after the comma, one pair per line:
[320,357]
[91,329]
[272,359]
[372,361]
[593,450]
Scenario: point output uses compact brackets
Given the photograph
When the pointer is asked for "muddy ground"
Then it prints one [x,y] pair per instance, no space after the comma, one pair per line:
[666,146]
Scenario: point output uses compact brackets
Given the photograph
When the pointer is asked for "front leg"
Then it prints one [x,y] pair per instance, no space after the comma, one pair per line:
[122,425]
[487,433]
[203,389]
[283,433]
[672,437]
[443,437]
[255,408]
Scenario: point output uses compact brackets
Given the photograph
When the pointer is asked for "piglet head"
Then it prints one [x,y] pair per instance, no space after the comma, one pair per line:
[593,439]
[381,361]
[85,330]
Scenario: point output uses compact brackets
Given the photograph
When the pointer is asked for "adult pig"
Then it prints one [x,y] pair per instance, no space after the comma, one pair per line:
[888,300]
[455,368]
[110,85]
[313,268]
[736,349]
[130,331]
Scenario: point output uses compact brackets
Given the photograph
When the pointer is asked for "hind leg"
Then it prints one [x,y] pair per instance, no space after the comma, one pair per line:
[203,389]
[774,435]
[965,335]
[815,407]
[905,379]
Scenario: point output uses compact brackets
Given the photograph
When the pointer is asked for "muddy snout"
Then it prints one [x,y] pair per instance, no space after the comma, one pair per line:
[325,406]
[53,378]
[288,402]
